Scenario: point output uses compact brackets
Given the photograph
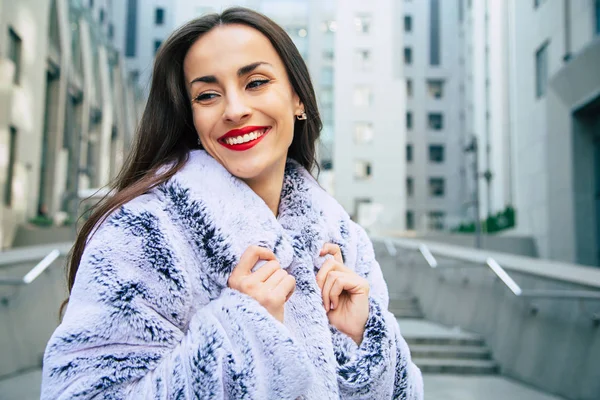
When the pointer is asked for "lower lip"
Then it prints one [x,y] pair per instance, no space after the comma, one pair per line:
[247,145]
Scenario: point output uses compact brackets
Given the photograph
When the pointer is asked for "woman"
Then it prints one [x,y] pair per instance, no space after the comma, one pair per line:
[220,269]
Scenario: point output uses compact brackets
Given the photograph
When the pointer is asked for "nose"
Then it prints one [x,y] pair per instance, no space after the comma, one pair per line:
[236,109]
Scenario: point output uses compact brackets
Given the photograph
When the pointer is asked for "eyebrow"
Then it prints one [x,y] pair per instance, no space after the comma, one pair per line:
[241,72]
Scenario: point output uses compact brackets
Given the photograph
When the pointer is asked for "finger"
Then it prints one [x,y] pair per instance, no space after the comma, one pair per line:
[331,278]
[250,257]
[339,285]
[264,272]
[334,250]
[328,265]
[286,288]
[275,279]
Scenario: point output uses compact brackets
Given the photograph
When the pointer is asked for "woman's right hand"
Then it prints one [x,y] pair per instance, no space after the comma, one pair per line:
[270,285]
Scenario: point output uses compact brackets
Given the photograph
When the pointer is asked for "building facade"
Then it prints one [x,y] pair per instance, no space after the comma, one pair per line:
[67,109]
[435,172]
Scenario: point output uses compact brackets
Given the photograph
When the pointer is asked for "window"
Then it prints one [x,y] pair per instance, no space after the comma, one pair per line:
[409,153]
[436,187]
[435,121]
[407,23]
[362,170]
[10,170]
[102,15]
[410,220]
[362,60]
[131,36]
[134,75]
[111,31]
[327,76]
[362,23]
[436,153]
[328,55]
[14,53]
[363,97]
[597,17]
[409,88]
[435,87]
[159,16]
[363,132]
[537,3]
[437,220]
[91,3]
[409,120]
[434,33]
[157,44]
[410,188]
[541,70]
[407,55]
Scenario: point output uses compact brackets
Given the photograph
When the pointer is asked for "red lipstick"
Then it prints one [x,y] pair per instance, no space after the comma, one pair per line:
[240,132]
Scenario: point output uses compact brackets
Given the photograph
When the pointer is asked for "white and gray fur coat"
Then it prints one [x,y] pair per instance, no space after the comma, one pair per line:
[150,315]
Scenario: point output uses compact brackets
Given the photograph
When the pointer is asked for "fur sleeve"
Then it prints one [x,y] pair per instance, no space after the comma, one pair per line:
[381,367]
[134,329]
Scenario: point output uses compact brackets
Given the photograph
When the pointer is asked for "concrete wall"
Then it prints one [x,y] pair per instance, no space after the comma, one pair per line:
[550,344]
[28,316]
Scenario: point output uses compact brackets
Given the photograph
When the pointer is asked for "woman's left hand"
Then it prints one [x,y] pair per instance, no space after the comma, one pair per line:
[345,294]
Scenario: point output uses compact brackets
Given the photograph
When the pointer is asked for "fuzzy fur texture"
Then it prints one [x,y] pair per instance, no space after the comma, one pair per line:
[150,315]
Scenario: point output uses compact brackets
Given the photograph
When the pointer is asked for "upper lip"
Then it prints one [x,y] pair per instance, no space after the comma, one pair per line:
[242,131]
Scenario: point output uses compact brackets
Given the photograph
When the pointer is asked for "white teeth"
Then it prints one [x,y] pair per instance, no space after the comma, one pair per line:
[245,138]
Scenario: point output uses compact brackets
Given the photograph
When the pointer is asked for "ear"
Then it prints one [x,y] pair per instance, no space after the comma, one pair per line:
[298,106]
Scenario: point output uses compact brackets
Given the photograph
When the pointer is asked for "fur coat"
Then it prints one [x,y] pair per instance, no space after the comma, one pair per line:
[151,317]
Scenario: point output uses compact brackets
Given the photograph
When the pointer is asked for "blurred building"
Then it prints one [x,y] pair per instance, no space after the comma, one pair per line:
[533,100]
[67,110]
[429,53]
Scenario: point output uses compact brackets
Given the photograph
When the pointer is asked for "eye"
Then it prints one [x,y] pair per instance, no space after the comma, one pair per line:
[205,96]
[257,83]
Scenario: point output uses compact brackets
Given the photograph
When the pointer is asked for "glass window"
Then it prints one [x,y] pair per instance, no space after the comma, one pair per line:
[409,120]
[102,15]
[407,55]
[541,70]
[363,132]
[362,170]
[159,16]
[436,187]
[537,3]
[362,60]
[437,220]
[14,53]
[436,153]
[131,36]
[10,170]
[157,44]
[409,153]
[407,23]
[363,96]
[328,55]
[409,186]
[409,88]
[410,220]
[434,33]
[435,121]
[435,87]
[362,23]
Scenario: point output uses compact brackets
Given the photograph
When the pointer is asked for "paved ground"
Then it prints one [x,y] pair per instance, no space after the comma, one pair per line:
[437,387]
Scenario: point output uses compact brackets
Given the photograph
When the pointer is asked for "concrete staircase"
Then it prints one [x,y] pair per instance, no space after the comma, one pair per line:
[438,349]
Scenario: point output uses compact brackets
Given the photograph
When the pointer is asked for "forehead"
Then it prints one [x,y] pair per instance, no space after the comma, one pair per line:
[226,48]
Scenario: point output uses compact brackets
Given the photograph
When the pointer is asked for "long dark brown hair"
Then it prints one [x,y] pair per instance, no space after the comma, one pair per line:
[166,132]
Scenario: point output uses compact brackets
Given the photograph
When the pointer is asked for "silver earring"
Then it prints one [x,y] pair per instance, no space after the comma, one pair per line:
[301,117]
[199,142]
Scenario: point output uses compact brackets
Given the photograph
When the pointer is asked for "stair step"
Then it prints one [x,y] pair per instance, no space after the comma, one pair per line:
[408,314]
[457,340]
[450,352]
[456,366]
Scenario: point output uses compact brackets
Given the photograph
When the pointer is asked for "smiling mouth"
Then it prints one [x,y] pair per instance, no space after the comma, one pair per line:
[245,141]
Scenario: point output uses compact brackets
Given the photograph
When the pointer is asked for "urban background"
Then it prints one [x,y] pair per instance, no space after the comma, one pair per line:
[472,123]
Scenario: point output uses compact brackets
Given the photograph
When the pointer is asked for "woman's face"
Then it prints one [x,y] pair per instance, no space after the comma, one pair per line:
[243,104]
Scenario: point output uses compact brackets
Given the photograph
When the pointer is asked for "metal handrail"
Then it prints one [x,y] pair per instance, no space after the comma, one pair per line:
[34,272]
[500,272]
